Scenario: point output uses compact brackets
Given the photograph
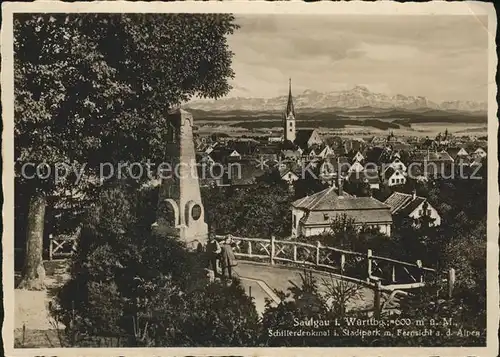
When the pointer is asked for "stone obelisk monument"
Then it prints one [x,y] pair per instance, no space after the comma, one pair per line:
[180,211]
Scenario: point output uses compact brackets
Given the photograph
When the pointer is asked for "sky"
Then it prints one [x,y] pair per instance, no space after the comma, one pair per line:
[439,57]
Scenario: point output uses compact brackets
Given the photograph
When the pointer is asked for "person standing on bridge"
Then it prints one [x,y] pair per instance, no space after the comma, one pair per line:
[213,250]
[228,260]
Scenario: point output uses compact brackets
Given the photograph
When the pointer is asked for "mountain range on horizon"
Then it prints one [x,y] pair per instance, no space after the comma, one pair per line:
[357,97]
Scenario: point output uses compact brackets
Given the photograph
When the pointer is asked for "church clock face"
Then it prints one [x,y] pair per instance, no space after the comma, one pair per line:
[196,212]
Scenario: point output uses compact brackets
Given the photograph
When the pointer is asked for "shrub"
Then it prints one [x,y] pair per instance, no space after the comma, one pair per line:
[144,289]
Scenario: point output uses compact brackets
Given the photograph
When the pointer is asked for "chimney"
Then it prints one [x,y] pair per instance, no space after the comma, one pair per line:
[414,194]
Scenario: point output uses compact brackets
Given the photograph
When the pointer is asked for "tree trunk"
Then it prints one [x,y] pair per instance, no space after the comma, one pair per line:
[33,274]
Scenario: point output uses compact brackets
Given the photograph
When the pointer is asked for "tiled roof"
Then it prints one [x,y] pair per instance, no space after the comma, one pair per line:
[403,203]
[302,137]
[289,168]
[411,206]
[453,152]
[397,200]
[390,171]
[361,216]
[328,200]
[309,202]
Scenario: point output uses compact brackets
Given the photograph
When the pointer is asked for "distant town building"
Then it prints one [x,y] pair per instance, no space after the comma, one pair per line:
[288,175]
[313,215]
[356,167]
[308,138]
[396,164]
[235,154]
[359,157]
[479,153]
[293,155]
[459,155]
[412,206]
[394,177]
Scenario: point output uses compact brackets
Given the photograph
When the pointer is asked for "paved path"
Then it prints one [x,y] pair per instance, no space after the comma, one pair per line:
[32,307]
[281,278]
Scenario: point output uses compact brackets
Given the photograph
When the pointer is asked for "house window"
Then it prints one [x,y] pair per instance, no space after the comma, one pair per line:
[294,220]
[290,129]
[429,212]
[420,212]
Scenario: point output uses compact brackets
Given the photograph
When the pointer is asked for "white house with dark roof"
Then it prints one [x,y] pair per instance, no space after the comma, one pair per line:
[312,154]
[462,152]
[288,175]
[412,206]
[394,177]
[235,154]
[359,157]
[458,154]
[313,215]
[396,164]
[356,167]
[479,152]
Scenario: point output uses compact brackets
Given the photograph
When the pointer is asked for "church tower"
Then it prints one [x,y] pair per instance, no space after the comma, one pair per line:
[289,117]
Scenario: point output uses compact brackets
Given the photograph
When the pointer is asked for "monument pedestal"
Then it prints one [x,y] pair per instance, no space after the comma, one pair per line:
[180,212]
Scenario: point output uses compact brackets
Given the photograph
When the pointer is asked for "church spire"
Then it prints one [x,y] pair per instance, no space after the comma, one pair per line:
[289,106]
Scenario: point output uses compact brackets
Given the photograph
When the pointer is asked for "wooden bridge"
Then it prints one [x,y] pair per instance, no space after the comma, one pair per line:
[366,268]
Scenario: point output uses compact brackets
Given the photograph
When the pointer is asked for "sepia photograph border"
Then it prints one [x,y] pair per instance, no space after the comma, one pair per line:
[9,9]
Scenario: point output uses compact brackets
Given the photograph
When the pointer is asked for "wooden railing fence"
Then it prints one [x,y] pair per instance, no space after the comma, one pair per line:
[391,273]
[386,273]
[62,246]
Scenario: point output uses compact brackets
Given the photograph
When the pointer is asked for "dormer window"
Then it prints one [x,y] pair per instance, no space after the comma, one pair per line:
[326,216]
